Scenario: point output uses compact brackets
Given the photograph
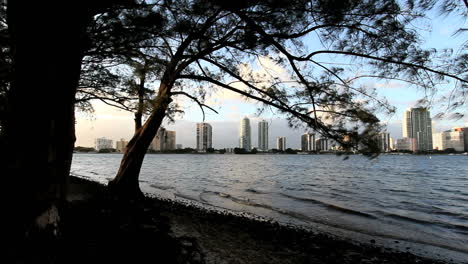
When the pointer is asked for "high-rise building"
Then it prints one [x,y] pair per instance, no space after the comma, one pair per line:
[308,142]
[204,136]
[244,134]
[451,139]
[164,140]
[384,142]
[417,124]
[121,145]
[170,140]
[103,143]
[263,135]
[465,135]
[281,143]
[321,144]
[409,144]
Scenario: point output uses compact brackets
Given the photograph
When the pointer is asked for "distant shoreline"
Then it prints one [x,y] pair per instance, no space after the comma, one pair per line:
[299,153]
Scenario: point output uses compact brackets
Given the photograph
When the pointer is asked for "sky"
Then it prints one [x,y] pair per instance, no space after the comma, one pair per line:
[115,124]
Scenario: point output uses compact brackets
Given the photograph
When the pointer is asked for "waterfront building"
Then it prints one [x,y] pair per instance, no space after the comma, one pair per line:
[103,143]
[409,144]
[179,146]
[204,137]
[244,134]
[417,124]
[384,142]
[170,143]
[308,142]
[321,144]
[263,135]
[465,136]
[450,139]
[281,143]
[164,140]
[121,145]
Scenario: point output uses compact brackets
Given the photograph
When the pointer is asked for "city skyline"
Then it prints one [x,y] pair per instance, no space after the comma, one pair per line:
[116,124]
[229,131]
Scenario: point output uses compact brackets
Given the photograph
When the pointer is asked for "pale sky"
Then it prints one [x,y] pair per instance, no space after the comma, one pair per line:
[115,124]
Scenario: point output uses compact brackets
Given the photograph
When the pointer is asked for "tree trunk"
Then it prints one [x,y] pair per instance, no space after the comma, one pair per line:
[141,95]
[39,127]
[125,184]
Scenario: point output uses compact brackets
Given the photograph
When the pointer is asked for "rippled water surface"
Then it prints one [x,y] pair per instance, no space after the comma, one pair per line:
[412,198]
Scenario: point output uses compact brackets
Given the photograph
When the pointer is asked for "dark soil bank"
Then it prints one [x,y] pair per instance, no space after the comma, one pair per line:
[100,229]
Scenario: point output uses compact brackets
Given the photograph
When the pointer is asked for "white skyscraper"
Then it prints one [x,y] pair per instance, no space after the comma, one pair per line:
[384,142]
[417,124]
[103,143]
[244,134]
[450,139]
[263,135]
[204,136]
[121,145]
[281,143]
[308,142]
[164,140]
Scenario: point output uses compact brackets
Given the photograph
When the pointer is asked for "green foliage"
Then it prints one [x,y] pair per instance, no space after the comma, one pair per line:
[109,150]
[243,151]
[197,47]
[290,151]
[222,151]
[210,150]
[83,149]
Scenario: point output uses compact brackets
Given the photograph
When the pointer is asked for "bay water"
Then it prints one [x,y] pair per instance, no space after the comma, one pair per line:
[408,199]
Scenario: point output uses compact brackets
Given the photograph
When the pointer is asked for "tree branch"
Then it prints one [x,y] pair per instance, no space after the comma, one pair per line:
[307,58]
[201,105]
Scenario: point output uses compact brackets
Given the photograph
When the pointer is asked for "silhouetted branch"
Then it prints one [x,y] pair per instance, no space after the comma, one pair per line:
[201,105]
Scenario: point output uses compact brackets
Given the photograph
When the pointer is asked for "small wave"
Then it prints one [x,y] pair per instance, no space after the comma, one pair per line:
[161,187]
[409,219]
[331,206]
[181,195]
[395,190]
[463,228]
[459,228]
[249,202]
[79,175]
[252,190]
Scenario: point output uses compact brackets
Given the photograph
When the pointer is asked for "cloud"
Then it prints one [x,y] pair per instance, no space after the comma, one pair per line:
[390,85]
[264,72]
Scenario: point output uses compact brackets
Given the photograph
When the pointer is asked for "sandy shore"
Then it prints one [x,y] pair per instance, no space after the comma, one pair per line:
[100,229]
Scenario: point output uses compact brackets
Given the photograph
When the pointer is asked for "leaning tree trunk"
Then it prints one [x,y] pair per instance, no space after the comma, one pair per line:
[39,124]
[126,184]
[141,102]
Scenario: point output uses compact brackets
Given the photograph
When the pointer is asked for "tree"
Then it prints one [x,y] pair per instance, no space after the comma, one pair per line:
[210,150]
[211,44]
[43,66]
[42,72]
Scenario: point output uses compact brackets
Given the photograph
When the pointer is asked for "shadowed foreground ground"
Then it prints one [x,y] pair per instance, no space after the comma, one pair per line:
[98,229]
